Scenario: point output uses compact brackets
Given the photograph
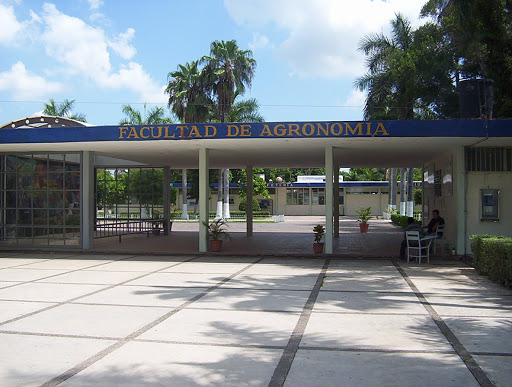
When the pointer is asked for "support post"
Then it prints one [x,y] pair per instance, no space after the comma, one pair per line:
[167,199]
[328,199]
[220,188]
[402,191]
[88,196]
[226,214]
[203,199]
[410,192]
[184,183]
[249,195]
[336,201]
[461,213]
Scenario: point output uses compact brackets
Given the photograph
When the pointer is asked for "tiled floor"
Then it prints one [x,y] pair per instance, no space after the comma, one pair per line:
[108,320]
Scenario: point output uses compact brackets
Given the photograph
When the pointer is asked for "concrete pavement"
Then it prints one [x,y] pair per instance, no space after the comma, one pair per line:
[88,320]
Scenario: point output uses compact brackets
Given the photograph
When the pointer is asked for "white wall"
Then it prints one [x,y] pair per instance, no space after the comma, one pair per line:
[493,180]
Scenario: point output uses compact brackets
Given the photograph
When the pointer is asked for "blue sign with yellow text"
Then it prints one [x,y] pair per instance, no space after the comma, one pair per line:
[266,130]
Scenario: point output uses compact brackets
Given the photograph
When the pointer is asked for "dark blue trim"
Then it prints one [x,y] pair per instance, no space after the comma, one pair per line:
[314,129]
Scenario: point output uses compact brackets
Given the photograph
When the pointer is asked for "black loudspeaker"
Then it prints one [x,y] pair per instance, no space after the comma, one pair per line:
[476,98]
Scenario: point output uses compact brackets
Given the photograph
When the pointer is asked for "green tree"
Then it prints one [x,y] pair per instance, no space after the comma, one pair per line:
[110,190]
[410,74]
[364,174]
[62,110]
[155,115]
[229,70]
[480,33]
[189,93]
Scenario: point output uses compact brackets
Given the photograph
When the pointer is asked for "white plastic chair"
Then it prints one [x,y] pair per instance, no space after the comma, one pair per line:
[440,239]
[417,247]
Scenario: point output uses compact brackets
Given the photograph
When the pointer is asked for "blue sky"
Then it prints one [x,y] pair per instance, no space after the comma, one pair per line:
[105,54]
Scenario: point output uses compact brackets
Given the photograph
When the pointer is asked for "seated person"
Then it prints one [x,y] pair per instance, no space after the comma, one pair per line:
[412,226]
[434,222]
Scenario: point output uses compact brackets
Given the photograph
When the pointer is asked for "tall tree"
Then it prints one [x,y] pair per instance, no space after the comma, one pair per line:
[480,32]
[63,109]
[155,115]
[229,70]
[410,74]
[189,93]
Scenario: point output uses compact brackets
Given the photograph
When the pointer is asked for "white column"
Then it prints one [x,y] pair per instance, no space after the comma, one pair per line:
[328,199]
[219,193]
[410,192]
[167,199]
[460,177]
[402,191]
[248,207]
[226,214]
[336,201]
[203,199]
[184,206]
[88,195]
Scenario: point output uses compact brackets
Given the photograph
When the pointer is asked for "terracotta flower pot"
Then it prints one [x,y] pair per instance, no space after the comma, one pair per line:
[363,227]
[318,248]
[215,245]
[156,231]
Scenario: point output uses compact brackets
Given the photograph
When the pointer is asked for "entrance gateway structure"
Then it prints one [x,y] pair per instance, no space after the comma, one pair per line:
[467,168]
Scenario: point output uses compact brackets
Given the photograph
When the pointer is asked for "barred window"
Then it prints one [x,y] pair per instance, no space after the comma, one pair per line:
[488,159]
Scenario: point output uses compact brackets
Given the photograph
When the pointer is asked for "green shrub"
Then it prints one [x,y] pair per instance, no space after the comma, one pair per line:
[492,256]
[401,220]
[255,205]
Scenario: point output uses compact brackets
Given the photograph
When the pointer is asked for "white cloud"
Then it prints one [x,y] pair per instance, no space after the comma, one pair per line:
[322,35]
[26,85]
[135,78]
[95,4]
[10,25]
[259,41]
[356,98]
[121,44]
[85,52]
[84,49]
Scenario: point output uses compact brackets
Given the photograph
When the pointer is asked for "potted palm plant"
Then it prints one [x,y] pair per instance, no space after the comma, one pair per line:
[363,218]
[318,246]
[217,232]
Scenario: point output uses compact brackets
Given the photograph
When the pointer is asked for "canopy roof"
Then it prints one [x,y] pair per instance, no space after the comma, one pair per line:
[271,144]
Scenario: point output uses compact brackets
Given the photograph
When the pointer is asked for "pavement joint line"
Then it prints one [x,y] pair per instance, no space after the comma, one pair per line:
[71,300]
[480,376]
[42,334]
[66,272]
[285,363]
[196,343]
[375,350]
[31,263]
[497,354]
[100,355]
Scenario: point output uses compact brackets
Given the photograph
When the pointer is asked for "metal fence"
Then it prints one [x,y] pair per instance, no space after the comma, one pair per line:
[109,227]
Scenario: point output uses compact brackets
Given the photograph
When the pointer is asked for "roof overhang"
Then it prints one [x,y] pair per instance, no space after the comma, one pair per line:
[281,144]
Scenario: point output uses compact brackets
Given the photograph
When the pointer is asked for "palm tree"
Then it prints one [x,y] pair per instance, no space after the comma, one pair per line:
[63,110]
[390,92]
[391,76]
[229,70]
[244,110]
[188,94]
[155,115]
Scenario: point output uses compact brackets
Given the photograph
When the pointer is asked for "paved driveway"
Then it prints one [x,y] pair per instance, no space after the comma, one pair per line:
[105,320]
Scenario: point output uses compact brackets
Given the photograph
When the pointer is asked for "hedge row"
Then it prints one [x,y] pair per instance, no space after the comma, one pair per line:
[401,220]
[492,256]
[266,214]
